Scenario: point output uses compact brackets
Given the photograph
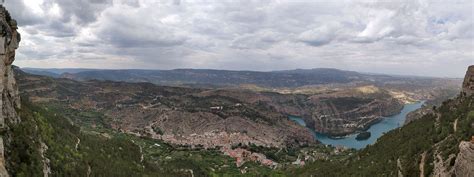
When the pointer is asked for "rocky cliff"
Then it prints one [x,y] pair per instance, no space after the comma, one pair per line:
[464,165]
[332,119]
[10,100]
[468,85]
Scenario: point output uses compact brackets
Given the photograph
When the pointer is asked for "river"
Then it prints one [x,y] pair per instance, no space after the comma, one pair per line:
[376,130]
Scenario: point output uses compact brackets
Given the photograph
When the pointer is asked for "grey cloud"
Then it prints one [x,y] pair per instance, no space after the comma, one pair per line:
[58,29]
[132,30]
[85,11]
[257,35]
[24,16]
[319,36]
[259,40]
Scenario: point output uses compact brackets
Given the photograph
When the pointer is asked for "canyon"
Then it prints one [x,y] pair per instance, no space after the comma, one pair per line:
[214,117]
[338,103]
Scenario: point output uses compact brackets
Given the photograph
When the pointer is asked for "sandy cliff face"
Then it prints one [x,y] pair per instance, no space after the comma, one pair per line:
[468,85]
[10,100]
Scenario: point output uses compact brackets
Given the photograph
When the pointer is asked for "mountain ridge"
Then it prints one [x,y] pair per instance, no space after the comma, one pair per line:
[271,80]
[76,70]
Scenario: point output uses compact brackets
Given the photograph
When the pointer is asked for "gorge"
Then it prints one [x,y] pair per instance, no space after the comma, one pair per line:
[376,130]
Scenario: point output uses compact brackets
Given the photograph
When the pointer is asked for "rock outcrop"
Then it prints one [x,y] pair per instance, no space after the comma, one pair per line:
[463,166]
[10,100]
[419,113]
[468,85]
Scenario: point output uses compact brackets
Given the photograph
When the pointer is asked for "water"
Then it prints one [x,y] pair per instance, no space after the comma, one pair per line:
[376,130]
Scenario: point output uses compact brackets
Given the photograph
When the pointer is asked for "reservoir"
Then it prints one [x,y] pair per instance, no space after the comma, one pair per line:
[376,130]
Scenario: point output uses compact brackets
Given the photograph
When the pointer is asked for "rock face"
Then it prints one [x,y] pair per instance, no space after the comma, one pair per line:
[468,85]
[465,160]
[418,114]
[10,100]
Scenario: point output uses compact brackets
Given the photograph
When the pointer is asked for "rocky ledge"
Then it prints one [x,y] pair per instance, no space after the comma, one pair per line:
[468,84]
[464,165]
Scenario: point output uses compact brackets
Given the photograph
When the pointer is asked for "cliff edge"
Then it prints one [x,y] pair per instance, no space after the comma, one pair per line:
[10,100]
[468,84]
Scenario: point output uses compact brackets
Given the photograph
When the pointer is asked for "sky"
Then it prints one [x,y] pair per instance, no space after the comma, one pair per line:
[406,37]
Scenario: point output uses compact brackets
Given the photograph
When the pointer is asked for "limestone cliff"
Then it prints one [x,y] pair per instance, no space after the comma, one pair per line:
[465,160]
[10,100]
[468,85]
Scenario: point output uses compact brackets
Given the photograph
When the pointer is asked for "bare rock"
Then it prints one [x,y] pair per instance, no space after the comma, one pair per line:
[463,167]
[9,100]
[468,85]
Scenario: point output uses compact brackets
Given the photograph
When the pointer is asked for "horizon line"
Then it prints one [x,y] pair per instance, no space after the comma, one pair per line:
[143,69]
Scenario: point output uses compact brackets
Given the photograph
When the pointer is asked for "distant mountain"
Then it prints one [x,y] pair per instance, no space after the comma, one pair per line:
[223,78]
[57,71]
[301,81]
[54,72]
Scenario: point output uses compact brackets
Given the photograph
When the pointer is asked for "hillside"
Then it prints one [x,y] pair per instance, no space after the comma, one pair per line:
[179,115]
[436,144]
[273,79]
[140,107]
[46,143]
[433,145]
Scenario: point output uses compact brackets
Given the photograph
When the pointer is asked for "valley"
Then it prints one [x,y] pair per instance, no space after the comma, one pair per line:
[336,109]
[255,114]
[243,123]
[124,116]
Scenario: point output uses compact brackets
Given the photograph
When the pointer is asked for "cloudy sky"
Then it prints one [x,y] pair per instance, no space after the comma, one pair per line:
[430,38]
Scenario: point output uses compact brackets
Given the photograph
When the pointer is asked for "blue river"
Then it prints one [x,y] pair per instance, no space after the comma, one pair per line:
[376,130]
